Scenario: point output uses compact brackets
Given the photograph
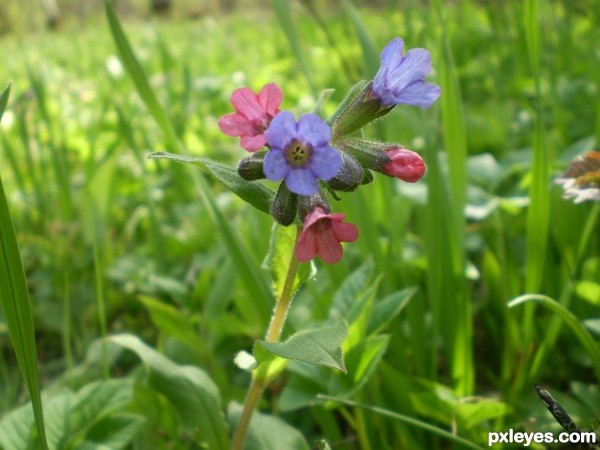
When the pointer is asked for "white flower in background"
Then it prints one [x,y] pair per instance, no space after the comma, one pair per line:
[581,181]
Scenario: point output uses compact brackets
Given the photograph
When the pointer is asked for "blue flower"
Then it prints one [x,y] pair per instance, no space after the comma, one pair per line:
[300,152]
[400,79]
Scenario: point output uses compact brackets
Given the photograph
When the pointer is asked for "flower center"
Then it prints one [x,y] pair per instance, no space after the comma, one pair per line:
[298,154]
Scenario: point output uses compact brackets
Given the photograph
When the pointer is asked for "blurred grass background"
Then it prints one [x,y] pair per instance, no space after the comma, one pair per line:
[108,238]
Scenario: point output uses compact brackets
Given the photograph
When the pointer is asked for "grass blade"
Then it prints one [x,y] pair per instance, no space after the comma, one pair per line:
[254,279]
[284,16]
[582,334]
[538,214]
[405,419]
[446,225]
[539,197]
[369,50]
[4,100]
[16,306]
[135,71]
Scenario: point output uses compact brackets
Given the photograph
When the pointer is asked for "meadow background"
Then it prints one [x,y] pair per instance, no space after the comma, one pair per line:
[114,243]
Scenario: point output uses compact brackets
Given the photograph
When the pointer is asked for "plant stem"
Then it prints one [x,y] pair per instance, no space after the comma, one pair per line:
[273,334]
[254,393]
[283,304]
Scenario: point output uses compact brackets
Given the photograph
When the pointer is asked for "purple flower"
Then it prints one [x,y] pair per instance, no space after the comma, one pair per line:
[400,79]
[300,152]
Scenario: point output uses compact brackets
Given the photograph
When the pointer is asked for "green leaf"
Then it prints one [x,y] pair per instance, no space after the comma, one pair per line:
[68,415]
[589,291]
[283,242]
[173,323]
[269,366]
[345,297]
[301,392]
[16,428]
[87,445]
[97,400]
[362,360]
[15,303]
[384,311]
[252,192]
[320,347]
[189,389]
[267,432]
[593,325]
[57,411]
[116,431]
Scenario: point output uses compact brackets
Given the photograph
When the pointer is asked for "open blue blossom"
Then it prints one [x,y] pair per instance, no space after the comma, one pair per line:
[300,152]
[400,78]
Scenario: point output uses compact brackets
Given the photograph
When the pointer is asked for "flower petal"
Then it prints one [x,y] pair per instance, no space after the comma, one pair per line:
[306,249]
[313,216]
[270,98]
[415,66]
[253,143]
[391,58]
[281,130]
[275,166]
[344,232]
[328,247]
[313,130]
[391,55]
[300,181]
[325,162]
[421,94]
[246,103]
[235,124]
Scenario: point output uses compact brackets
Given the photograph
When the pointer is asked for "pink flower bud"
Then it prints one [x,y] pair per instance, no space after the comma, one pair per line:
[406,165]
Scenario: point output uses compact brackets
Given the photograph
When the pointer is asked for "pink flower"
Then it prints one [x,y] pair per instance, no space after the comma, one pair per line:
[322,234]
[406,165]
[253,115]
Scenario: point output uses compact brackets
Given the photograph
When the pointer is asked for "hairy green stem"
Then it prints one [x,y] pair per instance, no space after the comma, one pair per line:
[273,334]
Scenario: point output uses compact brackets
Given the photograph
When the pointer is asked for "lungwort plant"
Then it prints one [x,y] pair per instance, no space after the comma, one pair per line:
[314,159]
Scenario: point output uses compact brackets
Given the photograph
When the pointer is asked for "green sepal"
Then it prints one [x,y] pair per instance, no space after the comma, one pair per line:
[350,96]
[370,154]
[251,168]
[285,206]
[367,177]
[356,110]
[350,175]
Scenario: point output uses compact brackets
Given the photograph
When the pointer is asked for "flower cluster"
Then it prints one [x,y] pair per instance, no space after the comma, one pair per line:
[311,155]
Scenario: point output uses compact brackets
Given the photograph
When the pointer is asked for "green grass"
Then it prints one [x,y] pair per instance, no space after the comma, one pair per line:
[100,226]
